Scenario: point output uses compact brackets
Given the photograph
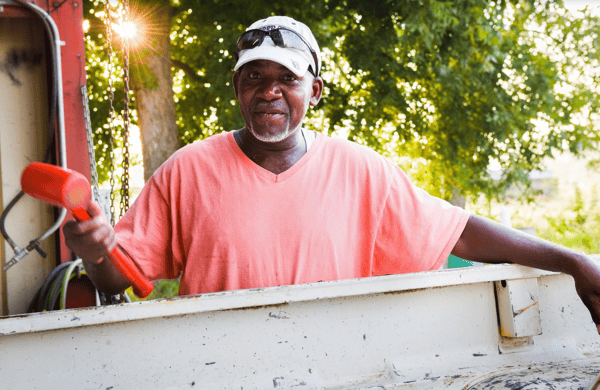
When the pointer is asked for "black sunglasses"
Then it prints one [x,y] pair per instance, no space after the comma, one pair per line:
[281,36]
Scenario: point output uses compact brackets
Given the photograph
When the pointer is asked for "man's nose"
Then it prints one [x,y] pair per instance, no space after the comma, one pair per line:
[270,90]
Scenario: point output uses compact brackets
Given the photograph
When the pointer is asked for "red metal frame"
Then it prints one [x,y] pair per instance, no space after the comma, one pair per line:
[69,19]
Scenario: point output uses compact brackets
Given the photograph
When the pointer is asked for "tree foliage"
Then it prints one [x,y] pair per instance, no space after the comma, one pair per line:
[442,87]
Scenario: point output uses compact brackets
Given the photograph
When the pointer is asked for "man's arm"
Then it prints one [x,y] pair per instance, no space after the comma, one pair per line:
[486,241]
[93,240]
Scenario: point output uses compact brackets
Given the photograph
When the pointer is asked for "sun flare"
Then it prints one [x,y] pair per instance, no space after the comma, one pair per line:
[126,30]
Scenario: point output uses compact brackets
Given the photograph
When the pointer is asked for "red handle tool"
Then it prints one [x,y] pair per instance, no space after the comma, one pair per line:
[66,188]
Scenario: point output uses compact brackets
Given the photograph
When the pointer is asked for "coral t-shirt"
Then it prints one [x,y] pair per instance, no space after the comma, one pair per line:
[341,212]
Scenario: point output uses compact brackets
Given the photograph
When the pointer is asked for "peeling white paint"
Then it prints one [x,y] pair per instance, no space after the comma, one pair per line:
[420,331]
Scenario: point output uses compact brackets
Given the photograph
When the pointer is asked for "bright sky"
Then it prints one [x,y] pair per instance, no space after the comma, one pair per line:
[577,4]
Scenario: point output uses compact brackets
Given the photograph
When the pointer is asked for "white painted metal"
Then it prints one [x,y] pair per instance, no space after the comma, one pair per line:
[417,331]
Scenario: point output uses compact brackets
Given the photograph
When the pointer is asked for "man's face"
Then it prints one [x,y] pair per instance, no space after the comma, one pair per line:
[273,100]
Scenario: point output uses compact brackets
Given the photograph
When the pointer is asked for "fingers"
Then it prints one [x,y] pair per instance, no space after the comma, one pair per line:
[94,210]
[96,221]
[586,274]
[592,303]
[91,239]
[589,294]
[593,306]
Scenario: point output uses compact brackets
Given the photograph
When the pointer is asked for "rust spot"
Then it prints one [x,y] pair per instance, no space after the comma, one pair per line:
[516,313]
[412,290]
[17,316]
[274,305]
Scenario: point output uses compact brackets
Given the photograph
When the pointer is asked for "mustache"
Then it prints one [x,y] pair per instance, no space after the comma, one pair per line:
[270,107]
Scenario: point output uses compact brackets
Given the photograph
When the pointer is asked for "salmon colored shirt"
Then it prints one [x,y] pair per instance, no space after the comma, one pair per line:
[341,212]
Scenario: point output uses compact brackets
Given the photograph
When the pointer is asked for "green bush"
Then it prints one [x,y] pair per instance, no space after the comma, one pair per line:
[577,226]
[162,289]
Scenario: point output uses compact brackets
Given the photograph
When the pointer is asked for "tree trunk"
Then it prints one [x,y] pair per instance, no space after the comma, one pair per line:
[152,83]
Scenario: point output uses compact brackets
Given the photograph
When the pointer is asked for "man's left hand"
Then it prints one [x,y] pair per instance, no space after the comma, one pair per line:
[587,284]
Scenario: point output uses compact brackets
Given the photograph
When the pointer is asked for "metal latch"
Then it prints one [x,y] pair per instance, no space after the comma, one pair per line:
[518,307]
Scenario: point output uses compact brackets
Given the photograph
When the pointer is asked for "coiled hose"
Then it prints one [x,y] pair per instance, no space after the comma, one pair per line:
[55,287]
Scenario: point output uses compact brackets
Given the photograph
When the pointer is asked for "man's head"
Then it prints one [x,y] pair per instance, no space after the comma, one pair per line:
[276,77]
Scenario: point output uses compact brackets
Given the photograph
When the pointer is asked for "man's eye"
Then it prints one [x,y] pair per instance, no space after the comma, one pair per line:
[290,77]
[253,75]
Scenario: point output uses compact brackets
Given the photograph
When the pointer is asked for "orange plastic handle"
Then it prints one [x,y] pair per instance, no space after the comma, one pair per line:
[141,286]
[70,189]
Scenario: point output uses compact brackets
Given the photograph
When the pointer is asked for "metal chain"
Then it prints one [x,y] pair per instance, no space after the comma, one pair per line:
[90,142]
[111,110]
[119,298]
[126,119]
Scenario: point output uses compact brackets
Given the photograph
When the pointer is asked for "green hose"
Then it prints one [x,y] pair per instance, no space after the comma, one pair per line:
[55,287]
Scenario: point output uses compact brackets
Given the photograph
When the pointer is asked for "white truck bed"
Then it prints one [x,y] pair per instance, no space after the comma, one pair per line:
[428,330]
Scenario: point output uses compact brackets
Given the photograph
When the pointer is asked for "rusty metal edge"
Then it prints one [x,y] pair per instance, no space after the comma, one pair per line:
[239,299]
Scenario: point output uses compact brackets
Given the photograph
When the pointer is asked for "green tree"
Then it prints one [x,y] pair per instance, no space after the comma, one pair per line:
[442,87]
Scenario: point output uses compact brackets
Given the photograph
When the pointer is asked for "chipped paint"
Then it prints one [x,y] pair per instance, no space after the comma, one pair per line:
[337,335]
[281,315]
[556,376]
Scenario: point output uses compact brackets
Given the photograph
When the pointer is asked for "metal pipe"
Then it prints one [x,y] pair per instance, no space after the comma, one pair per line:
[53,30]
[55,44]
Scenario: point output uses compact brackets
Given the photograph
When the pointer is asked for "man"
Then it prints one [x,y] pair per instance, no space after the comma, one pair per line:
[273,204]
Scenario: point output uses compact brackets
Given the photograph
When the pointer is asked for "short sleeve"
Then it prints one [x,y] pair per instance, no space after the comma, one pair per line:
[145,234]
[417,231]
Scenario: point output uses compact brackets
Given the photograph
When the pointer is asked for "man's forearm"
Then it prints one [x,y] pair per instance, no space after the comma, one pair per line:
[105,277]
[487,241]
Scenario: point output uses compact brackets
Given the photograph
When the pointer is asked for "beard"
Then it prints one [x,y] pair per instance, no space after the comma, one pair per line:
[270,129]
[271,138]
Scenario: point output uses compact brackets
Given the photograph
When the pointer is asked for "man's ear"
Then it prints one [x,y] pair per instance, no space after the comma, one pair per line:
[317,90]
[236,77]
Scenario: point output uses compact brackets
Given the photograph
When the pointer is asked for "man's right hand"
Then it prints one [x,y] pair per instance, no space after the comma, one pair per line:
[92,239]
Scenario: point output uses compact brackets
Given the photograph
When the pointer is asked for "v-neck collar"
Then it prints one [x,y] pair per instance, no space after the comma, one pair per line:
[268,174]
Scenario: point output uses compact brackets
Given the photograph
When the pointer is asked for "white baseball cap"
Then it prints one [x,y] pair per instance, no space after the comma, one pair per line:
[296,59]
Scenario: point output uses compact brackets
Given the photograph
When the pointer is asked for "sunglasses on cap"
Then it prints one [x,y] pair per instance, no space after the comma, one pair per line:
[281,36]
